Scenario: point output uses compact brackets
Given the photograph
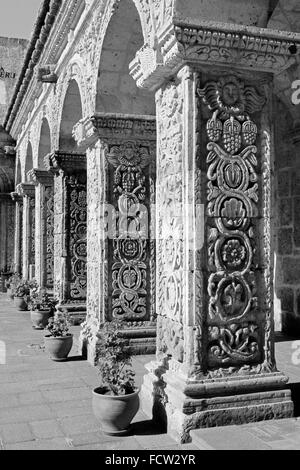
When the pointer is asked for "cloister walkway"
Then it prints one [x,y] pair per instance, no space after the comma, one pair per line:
[47,405]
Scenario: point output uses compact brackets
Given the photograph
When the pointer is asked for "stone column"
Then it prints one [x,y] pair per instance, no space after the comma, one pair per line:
[215,347]
[6,233]
[121,246]
[44,215]
[18,232]
[70,226]
[27,191]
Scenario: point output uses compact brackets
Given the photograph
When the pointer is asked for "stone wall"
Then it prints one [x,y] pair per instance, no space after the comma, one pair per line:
[287,226]
[12,53]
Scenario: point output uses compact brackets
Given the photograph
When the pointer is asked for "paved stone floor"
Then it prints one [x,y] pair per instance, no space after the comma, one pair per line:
[47,405]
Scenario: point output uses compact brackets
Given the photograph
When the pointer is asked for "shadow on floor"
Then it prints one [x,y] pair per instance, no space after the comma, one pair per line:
[75,359]
[281,338]
[295,389]
[145,428]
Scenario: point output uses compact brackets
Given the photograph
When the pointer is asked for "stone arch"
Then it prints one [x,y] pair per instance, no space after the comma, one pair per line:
[98,28]
[44,146]
[72,112]
[28,161]
[18,176]
[74,78]
[117,91]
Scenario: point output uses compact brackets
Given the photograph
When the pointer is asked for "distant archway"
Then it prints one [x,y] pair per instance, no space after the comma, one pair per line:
[71,114]
[44,144]
[117,91]
[28,162]
[18,178]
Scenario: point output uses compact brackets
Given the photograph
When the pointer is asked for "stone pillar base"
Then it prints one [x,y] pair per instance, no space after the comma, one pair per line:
[76,312]
[182,405]
[142,339]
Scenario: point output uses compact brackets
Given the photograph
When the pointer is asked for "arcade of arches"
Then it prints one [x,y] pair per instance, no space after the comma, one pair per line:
[173,117]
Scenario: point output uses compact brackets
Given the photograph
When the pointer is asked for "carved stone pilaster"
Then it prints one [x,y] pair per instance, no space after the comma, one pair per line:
[121,196]
[44,239]
[6,233]
[18,232]
[70,225]
[27,191]
[215,346]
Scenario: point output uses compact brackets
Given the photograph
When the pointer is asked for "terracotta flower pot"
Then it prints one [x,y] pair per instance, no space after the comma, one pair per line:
[115,413]
[20,303]
[40,318]
[58,347]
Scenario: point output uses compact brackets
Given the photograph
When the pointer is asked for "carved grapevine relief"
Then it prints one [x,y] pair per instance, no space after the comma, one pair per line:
[232,206]
[130,244]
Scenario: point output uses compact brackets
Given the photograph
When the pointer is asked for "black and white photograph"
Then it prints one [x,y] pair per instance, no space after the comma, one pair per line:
[149,228]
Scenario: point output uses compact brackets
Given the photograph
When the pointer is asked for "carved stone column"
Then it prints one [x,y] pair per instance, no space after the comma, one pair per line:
[27,191]
[215,347]
[44,239]
[18,232]
[121,246]
[70,226]
[6,233]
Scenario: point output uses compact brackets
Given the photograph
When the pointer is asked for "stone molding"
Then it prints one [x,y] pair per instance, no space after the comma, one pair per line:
[16,198]
[40,177]
[120,126]
[67,162]
[251,48]
[43,27]
[26,189]
[46,74]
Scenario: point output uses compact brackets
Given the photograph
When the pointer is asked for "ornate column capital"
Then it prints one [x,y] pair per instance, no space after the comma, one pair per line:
[43,177]
[211,43]
[16,198]
[66,162]
[26,189]
[120,127]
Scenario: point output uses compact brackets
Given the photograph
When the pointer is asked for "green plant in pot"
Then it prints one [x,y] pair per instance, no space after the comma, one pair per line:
[58,341]
[116,401]
[41,307]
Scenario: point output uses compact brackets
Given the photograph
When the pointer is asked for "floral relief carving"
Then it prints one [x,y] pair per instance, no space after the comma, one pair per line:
[232,206]
[169,201]
[49,208]
[130,261]
[77,238]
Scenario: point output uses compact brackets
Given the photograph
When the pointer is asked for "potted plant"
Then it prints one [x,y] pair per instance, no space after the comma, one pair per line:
[21,292]
[41,307]
[58,343]
[11,284]
[116,401]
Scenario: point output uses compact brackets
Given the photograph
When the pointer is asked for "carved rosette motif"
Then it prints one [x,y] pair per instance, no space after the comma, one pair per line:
[77,238]
[233,207]
[130,261]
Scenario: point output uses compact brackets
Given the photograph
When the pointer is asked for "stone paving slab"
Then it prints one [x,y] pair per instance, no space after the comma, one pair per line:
[47,405]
